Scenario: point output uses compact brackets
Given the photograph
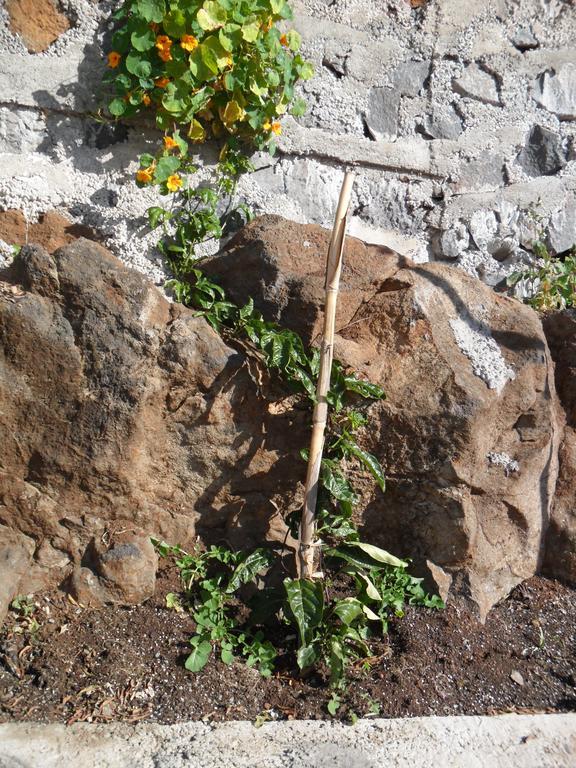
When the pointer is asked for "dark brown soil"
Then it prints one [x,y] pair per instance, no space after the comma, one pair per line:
[127,664]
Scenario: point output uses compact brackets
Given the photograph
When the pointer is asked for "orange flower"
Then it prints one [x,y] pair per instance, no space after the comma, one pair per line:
[163,41]
[268,25]
[154,26]
[161,82]
[284,40]
[144,175]
[146,100]
[174,182]
[274,127]
[163,44]
[188,42]
[114,59]
[169,143]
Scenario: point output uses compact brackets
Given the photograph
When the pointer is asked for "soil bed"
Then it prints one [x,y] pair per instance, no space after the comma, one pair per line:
[127,664]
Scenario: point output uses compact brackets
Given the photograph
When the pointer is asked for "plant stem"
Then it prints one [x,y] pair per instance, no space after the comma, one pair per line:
[306,559]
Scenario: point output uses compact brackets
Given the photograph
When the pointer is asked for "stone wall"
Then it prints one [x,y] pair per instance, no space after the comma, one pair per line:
[460,118]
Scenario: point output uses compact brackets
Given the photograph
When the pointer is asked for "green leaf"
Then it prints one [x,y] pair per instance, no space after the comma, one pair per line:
[299,107]
[117,107]
[294,40]
[226,42]
[371,590]
[211,15]
[367,459]
[151,10]
[146,160]
[306,656]
[143,38]
[175,23]
[138,66]
[166,167]
[306,602]
[364,388]
[248,568]
[348,609]
[369,613]
[380,555]
[306,71]
[334,702]
[227,656]
[156,215]
[199,656]
[219,54]
[250,31]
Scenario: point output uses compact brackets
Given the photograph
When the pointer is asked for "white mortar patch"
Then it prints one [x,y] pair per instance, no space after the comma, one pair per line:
[485,355]
[503,460]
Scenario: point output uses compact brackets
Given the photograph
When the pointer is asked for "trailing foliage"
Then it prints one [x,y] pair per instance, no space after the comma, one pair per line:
[550,285]
[219,69]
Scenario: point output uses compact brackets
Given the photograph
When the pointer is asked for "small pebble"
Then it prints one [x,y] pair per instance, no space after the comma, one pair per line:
[517,677]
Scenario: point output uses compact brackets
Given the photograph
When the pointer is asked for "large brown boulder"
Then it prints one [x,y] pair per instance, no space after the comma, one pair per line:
[468,434]
[122,410]
[560,556]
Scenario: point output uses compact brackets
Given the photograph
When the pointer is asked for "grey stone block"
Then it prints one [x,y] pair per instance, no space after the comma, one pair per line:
[542,154]
[555,90]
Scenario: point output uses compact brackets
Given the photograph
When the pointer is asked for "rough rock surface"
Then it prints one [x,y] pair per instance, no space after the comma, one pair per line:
[52,230]
[468,434]
[16,552]
[560,556]
[38,22]
[122,571]
[121,410]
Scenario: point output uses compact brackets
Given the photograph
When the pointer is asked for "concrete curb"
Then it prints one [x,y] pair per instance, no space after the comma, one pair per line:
[505,741]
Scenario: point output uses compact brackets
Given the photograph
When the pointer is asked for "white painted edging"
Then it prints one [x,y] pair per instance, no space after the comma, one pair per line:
[505,741]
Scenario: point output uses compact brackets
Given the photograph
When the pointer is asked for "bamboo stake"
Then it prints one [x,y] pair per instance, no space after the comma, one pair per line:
[306,559]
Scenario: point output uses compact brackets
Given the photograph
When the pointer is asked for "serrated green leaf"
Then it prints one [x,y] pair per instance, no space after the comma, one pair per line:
[248,568]
[367,459]
[365,388]
[306,603]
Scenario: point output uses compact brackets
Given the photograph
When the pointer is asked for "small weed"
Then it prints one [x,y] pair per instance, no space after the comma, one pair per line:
[24,607]
[552,284]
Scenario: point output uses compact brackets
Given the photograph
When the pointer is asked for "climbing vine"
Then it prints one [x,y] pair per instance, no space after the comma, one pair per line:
[222,70]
